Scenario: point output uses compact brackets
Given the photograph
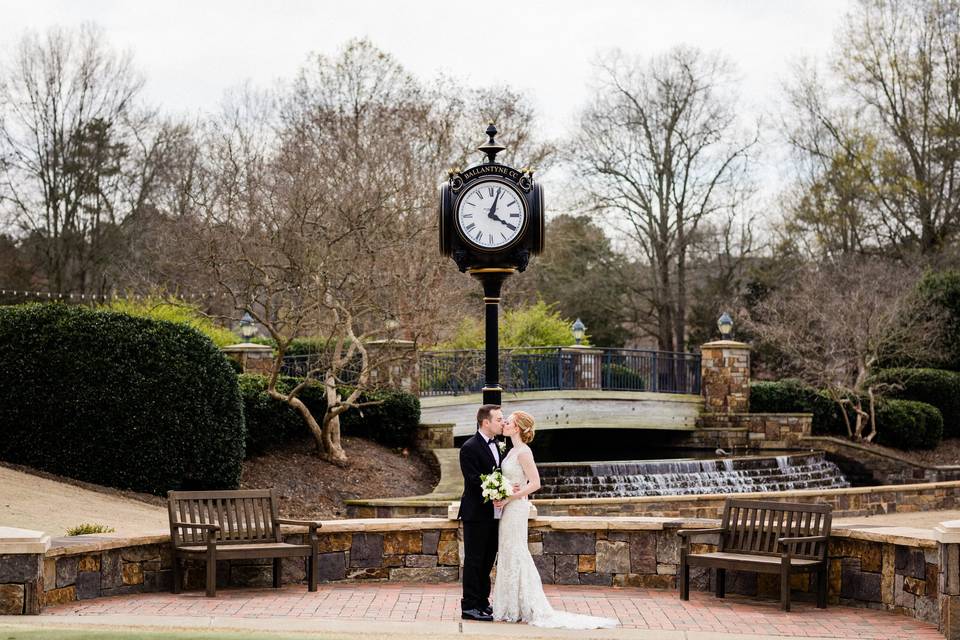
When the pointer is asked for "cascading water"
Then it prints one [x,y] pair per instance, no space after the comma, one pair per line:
[680,477]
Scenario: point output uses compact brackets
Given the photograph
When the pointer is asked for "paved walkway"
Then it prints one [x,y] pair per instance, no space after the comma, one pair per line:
[416,609]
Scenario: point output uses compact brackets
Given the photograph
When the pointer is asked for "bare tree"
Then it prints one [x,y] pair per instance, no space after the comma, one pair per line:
[661,151]
[880,134]
[320,221]
[836,323]
[72,165]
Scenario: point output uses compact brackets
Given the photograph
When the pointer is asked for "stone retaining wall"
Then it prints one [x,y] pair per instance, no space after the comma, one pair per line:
[732,431]
[914,575]
[882,467]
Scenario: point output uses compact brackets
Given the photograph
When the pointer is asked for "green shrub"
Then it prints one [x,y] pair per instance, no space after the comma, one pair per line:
[906,424]
[793,396]
[88,528]
[618,376]
[117,400]
[536,325]
[175,310]
[942,288]
[271,422]
[936,387]
[393,423]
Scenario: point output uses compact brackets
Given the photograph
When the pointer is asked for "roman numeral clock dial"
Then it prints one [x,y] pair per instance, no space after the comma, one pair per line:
[491,215]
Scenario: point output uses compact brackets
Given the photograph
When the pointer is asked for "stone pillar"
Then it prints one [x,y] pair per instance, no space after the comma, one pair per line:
[21,570]
[587,366]
[948,535]
[725,376]
[395,364]
[253,358]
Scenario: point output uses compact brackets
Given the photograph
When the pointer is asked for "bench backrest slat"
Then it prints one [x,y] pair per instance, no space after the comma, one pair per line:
[243,516]
[754,526]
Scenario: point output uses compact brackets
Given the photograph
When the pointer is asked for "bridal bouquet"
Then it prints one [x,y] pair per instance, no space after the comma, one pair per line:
[495,487]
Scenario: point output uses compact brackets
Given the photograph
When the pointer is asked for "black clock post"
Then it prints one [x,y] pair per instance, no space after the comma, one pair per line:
[491,222]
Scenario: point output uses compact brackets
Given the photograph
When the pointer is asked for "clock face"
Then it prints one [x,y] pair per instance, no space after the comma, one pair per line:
[491,214]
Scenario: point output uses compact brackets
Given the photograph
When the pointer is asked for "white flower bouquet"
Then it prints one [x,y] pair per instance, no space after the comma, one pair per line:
[495,487]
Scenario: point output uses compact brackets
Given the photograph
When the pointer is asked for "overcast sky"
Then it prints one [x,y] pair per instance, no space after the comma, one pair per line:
[192,51]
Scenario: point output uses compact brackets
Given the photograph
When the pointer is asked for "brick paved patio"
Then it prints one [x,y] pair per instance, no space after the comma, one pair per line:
[635,608]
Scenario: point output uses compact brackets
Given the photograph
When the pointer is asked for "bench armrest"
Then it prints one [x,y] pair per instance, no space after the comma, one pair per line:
[689,533]
[210,529]
[793,541]
[195,525]
[311,524]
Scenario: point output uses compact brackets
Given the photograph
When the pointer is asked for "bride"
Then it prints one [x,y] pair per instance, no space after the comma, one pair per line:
[518,592]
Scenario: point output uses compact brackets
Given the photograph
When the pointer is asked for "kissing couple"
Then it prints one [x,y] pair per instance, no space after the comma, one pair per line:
[518,593]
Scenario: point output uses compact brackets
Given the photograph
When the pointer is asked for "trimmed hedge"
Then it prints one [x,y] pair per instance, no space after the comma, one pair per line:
[109,398]
[937,387]
[900,423]
[271,422]
[906,424]
[793,396]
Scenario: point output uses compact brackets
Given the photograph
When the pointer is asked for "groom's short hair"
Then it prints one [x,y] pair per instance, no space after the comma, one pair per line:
[483,413]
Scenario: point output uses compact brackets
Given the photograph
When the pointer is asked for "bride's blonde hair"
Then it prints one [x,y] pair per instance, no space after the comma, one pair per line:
[525,423]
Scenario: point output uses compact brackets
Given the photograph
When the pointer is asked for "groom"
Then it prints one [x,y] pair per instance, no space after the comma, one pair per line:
[479,455]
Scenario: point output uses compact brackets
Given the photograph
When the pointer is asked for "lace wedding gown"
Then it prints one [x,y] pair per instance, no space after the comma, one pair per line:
[518,591]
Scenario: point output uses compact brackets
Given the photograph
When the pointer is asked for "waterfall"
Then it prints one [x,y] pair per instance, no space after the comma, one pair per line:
[684,477]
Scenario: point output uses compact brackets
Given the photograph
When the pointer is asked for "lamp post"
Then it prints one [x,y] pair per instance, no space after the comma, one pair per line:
[247,328]
[579,330]
[725,324]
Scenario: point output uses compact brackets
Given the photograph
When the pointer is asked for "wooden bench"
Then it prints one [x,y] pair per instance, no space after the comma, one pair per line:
[231,525]
[764,537]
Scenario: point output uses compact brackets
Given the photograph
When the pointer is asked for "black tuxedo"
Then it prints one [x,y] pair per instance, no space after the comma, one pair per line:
[479,526]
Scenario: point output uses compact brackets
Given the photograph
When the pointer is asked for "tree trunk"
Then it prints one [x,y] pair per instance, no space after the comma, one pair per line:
[331,440]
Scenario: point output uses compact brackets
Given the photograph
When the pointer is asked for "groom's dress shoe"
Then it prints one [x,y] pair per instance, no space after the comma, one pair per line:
[488,610]
[476,614]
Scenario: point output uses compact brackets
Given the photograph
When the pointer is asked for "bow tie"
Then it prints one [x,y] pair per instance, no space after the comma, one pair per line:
[492,441]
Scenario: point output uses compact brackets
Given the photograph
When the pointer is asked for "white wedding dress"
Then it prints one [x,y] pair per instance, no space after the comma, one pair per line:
[518,591]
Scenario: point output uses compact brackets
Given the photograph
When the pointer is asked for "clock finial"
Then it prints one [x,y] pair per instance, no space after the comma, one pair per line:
[491,147]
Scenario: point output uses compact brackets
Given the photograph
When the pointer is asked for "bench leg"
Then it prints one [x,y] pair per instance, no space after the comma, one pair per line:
[822,588]
[721,586]
[175,574]
[313,569]
[211,574]
[684,579]
[276,573]
[785,590]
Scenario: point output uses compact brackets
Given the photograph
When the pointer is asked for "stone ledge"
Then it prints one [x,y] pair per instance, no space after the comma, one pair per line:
[890,455]
[905,536]
[798,493]
[23,541]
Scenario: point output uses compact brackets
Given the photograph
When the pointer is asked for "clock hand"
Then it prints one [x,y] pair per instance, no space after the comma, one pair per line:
[502,221]
[492,213]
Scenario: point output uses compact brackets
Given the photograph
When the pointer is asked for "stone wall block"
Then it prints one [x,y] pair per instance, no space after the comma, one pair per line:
[332,566]
[431,540]
[910,562]
[26,567]
[293,570]
[425,574]
[668,547]
[366,550]
[565,542]
[328,542]
[402,542]
[612,557]
[88,585]
[546,567]
[12,599]
[420,561]
[448,552]
[566,570]
[111,569]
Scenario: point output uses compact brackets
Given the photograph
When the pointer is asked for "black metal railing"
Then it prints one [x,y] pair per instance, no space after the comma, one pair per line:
[561,368]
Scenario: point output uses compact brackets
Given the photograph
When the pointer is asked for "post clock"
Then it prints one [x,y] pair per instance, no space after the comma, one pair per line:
[491,222]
